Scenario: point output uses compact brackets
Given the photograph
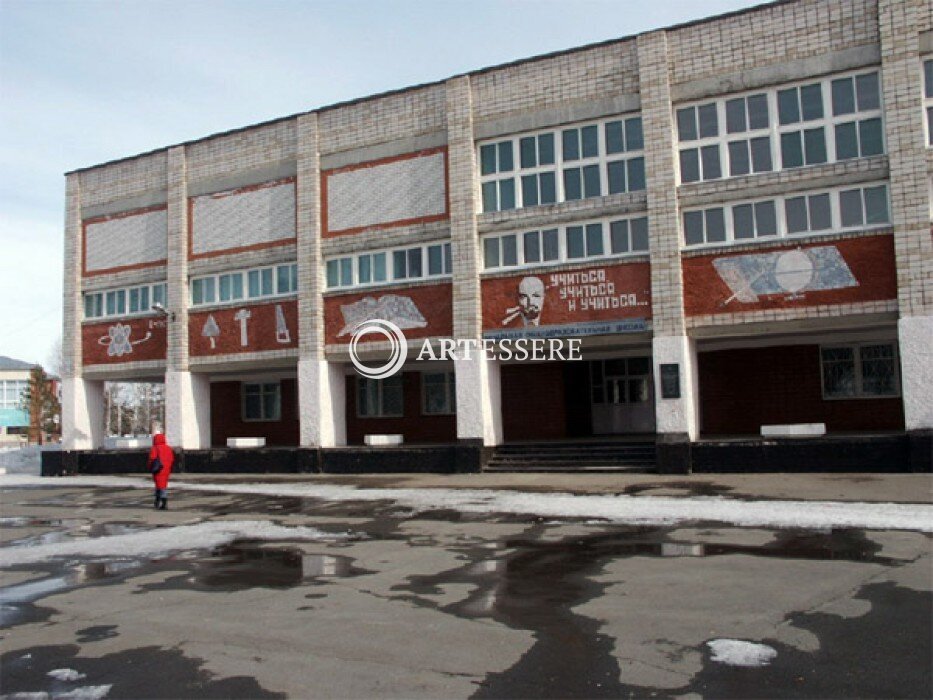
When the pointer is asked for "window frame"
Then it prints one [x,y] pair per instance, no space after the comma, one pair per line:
[860,394]
[287,271]
[354,282]
[450,393]
[926,63]
[155,291]
[561,166]
[380,396]
[775,130]
[780,202]
[563,257]
[263,386]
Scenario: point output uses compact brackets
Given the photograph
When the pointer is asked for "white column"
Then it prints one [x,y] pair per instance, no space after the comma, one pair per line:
[187,410]
[677,419]
[479,400]
[322,405]
[82,414]
[915,340]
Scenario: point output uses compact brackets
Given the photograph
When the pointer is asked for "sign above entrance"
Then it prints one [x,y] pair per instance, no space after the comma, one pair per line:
[570,330]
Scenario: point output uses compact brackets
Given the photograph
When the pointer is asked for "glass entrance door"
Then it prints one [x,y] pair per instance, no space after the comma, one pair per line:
[623,396]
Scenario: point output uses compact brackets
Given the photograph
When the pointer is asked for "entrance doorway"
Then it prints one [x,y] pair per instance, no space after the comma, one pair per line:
[622,396]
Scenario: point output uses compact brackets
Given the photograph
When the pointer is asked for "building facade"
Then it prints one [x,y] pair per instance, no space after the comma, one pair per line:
[734,215]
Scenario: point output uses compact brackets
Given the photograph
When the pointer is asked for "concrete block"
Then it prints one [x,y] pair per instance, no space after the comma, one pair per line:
[383,440]
[794,430]
[246,442]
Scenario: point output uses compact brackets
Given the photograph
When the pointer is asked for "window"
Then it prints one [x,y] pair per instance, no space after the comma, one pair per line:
[836,118]
[11,392]
[379,398]
[859,371]
[620,381]
[122,302]
[593,239]
[576,162]
[439,395]
[821,212]
[928,98]
[258,283]
[262,402]
[432,260]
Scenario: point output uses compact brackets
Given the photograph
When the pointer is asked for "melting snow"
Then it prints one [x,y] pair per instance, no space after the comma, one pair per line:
[736,652]
[163,540]
[640,510]
[66,674]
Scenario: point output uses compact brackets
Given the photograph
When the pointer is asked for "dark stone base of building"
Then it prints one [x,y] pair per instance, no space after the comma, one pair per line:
[886,454]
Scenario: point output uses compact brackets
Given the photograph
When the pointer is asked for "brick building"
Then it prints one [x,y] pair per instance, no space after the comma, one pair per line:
[733,214]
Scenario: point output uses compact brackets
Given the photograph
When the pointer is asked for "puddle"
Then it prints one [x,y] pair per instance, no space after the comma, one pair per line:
[693,488]
[17,603]
[145,672]
[538,585]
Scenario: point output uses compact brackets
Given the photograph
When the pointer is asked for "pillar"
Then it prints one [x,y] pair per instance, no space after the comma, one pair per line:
[900,23]
[187,395]
[676,418]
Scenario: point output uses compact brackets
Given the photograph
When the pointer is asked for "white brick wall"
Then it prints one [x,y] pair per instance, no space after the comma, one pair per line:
[243,218]
[126,240]
[398,190]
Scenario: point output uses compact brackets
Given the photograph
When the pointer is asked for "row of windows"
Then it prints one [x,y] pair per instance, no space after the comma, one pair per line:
[592,160]
[258,283]
[829,120]
[384,398]
[820,212]
[122,302]
[848,372]
[11,392]
[430,260]
[566,243]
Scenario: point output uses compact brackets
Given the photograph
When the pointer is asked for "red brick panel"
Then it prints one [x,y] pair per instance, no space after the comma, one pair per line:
[870,260]
[601,293]
[533,405]
[227,416]
[741,390]
[263,329]
[124,340]
[433,304]
[413,425]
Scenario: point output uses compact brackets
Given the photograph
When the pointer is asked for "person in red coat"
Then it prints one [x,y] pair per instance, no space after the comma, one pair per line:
[161,459]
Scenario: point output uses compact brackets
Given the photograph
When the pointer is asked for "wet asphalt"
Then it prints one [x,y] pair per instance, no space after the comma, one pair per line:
[446,604]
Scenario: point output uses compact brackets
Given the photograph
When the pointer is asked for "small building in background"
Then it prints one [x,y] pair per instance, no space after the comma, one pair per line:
[14,421]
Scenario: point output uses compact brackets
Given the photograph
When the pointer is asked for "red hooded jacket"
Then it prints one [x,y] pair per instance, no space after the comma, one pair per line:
[161,450]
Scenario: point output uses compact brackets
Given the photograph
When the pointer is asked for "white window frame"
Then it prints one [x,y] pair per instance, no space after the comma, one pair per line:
[857,360]
[450,393]
[827,122]
[156,291]
[18,387]
[781,218]
[264,387]
[353,281]
[286,270]
[380,397]
[562,252]
[926,63]
[602,159]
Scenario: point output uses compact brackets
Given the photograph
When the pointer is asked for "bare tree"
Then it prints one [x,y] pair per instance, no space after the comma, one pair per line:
[56,360]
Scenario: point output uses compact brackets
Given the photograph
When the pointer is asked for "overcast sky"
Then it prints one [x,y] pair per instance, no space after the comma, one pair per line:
[83,82]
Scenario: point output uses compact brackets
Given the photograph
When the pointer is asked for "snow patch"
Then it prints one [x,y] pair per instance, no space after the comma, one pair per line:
[66,674]
[164,540]
[737,652]
[88,692]
[638,510]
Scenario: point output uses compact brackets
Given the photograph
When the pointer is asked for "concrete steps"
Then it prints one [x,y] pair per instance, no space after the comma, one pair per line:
[573,457]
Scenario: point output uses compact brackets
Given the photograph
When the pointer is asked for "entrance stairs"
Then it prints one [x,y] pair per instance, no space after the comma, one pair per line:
[589,456]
